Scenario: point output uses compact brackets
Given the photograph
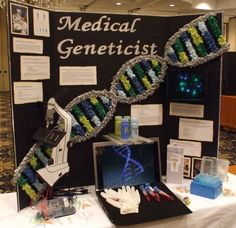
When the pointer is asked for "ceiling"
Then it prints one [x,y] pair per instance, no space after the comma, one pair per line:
[151,7]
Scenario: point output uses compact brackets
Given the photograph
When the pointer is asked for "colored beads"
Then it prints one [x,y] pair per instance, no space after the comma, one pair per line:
[194,43]
[86,115]
[48,151]
[27,188]
[208,38]
[135,81]
[150,71]
[78,130]
[29,174]
[30,192]
[41,157]
[125,82]
[221,41]
[98,107]
[33,180]
[180,50]
[76,127]
[197,40]
[213,25]
[156,65]
[141,74]
[139,71]
[120,90]
[88,109]
[33,162]
[106,102]
[138,78]
[86,124]
[40,187]
[146,83]
[77,112]
[189,46]
[79,115]
[90,112]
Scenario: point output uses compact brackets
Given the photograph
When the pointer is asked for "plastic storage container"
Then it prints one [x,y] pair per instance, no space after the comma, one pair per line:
[206,186]
[215,167]
[134,131]
[118,120]
[125,129]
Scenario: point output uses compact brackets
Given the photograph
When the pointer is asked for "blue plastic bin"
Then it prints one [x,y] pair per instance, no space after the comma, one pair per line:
[206,186]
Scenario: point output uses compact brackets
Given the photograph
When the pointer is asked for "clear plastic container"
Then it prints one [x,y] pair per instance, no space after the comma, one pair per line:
[134,128]
[222,169]
[215,167]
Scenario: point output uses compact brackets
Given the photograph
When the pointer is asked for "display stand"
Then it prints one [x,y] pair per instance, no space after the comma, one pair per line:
[102,54]
[120,141]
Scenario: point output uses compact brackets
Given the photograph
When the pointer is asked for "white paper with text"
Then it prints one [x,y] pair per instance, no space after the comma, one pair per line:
[78,75]
[193,129]
[28,92]
[150,114]
[187,110]
[193,149]
[23,45]
[35,67]
[41,23]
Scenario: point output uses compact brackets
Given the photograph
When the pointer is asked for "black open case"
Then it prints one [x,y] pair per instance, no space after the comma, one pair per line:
[107,168]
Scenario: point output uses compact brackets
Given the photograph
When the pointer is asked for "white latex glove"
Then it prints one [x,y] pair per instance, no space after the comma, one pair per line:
[126,199]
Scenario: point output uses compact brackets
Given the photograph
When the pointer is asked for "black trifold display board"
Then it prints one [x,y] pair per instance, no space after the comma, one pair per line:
[138,35]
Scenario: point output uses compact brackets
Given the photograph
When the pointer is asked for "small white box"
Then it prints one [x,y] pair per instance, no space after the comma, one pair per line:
[175,164]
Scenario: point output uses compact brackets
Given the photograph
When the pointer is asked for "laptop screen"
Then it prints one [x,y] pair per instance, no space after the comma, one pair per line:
[118,165]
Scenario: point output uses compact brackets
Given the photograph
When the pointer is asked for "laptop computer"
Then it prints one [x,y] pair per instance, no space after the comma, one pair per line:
[117,166]
[133,165]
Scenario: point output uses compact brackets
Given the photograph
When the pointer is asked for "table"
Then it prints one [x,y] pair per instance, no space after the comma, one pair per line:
[228,111]
[207,213]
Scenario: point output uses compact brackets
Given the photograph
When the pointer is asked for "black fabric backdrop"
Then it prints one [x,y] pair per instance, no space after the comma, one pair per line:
[29,117]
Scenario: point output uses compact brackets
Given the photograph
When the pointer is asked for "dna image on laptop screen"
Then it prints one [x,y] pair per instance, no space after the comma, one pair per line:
[128,165]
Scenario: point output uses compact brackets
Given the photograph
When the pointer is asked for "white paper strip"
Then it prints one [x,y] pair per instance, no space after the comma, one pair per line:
[77,75]
[35,67]
[191,148]
[187,110]
[199,130]
[41,23]
[28,92]
[23,45]
[147,115]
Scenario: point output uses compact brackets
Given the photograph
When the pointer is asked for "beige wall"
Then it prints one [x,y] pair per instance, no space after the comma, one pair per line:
[4,78]
[231,34]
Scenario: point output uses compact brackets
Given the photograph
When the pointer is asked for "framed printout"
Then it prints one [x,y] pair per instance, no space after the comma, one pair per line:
[187,167]
[187,86]
[19,19]
[196,166]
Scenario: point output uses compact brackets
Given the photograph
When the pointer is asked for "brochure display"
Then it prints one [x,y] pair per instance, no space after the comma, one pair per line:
[72,71]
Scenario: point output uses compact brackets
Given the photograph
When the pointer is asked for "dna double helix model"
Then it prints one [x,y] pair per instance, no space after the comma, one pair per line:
[86,115]
[132,167]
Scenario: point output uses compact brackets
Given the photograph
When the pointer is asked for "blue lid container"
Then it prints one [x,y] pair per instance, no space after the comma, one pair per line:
[206,185]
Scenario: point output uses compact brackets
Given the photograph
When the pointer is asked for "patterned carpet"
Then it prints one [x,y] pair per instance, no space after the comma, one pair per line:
[227,145]
[6,144]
